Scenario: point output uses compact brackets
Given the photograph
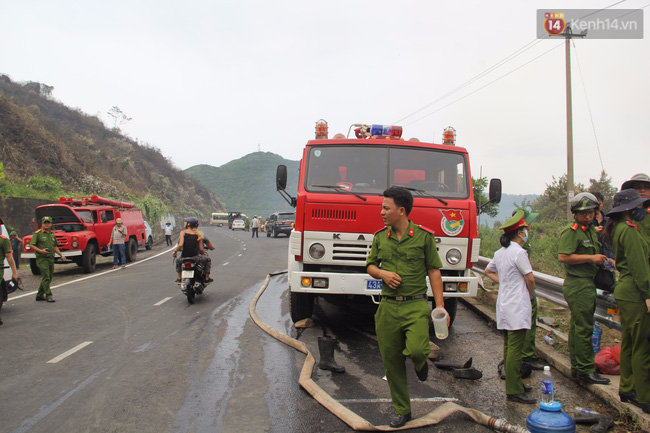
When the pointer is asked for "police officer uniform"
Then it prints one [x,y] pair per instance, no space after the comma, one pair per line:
[45,262]
[631,293]
[644,224]
[579,290]
[401,321]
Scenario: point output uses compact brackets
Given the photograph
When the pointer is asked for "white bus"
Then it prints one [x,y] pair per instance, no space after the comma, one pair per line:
[219,219]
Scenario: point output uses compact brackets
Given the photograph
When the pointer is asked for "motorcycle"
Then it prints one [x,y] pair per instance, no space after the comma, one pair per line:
[192,279]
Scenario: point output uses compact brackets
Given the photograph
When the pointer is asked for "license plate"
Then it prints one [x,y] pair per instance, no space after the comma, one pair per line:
[188,274]
[373,284]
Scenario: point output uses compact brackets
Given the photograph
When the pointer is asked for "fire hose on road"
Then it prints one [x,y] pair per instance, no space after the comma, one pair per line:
[351,418]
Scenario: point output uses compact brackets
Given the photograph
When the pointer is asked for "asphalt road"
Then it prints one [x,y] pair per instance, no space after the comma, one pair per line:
[144,360]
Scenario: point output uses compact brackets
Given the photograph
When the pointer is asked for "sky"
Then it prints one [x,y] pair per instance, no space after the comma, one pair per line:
[210,81]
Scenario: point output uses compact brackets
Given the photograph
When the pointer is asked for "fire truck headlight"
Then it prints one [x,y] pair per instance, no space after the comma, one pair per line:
[317,251]
[454,256]
[28,247]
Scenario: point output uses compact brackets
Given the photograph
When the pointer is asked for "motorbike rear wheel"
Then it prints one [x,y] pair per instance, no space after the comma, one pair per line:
[189,291]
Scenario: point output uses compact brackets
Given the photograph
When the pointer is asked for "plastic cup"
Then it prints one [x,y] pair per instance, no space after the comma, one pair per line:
[439,318]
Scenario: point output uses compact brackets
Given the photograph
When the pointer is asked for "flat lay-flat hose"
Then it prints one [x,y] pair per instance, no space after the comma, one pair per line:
[349,417]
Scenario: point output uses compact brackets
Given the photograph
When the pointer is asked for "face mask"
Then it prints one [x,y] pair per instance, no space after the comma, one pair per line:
[525,238]
[638,213]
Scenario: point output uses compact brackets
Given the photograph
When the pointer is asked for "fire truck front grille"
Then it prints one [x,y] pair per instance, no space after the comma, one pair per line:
[334,214]
[350,252]
[61,241]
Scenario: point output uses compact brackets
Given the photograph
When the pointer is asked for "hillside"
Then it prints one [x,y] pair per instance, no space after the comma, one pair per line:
[248,184]
[506,207]
[42,137]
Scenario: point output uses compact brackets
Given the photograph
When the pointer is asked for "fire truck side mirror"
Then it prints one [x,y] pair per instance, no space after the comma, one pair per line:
[281,178]
[495,191]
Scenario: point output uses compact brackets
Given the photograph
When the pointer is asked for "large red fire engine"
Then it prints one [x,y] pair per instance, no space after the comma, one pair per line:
[83,226]
[338,206]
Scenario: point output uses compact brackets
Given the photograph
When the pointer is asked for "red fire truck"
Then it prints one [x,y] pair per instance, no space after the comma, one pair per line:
[338,204]
[83,226]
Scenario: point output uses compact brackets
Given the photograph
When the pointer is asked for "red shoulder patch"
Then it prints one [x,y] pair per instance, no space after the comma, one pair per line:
[631,224]
[575,226]
[3,237]
[426,229]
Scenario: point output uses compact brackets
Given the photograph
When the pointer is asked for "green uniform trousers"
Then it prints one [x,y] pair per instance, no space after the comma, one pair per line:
[46,266]
[635,350]
[402,331]
[580,294]
[513,345]
[529,344]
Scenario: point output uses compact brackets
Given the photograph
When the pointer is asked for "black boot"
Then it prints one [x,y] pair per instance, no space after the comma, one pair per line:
[326,348]
[451,365]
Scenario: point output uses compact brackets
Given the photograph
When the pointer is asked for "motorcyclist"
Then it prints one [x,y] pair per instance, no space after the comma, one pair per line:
[191,246]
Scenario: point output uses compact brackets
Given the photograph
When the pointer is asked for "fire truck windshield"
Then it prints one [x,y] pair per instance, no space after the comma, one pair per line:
[371,169]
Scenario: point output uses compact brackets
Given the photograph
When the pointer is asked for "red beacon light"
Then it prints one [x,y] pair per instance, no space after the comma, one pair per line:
[321,129]
[449,136]
[386,131]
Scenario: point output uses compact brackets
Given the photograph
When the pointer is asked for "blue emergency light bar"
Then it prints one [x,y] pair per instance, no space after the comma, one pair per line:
[386,131]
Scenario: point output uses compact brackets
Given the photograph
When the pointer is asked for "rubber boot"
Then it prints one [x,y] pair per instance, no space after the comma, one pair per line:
[451,365]
[326,348]
[601,422]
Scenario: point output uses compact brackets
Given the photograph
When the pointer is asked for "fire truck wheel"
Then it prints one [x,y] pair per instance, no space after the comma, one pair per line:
[89,259]
[131,250]
[33,267]
[301,306]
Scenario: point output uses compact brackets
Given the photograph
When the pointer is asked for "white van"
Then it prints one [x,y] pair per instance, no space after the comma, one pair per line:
[219,219]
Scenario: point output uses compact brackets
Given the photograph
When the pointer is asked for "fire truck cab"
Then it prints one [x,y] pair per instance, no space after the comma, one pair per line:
[338,204]
[83,227]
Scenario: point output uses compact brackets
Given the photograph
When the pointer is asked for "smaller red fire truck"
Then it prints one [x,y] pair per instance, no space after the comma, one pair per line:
[83,226]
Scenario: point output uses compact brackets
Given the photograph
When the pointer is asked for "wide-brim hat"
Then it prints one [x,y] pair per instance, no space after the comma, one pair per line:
[118,221]
[639,177]
[514,222]
[529,217]
[626,200]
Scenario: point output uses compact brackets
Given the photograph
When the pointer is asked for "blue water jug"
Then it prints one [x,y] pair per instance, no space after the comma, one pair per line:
[550,418]
[596,337]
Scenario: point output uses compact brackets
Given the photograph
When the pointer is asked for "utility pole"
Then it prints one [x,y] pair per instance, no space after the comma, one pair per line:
[568,35]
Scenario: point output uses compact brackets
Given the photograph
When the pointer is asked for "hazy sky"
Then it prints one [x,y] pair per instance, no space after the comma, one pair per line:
[208,82]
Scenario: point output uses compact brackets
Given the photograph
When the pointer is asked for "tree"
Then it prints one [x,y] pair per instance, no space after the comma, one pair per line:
[118,116]
[605,187]
[480,197]
[552,204]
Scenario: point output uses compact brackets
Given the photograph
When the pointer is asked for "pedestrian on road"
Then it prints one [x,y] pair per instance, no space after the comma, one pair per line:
[16,247]
[255,225]
[641,183]
[632,294]
[118,236]
[511,269]
[402,319]
[579,252]
[44,245]
[5,251]
[168,230]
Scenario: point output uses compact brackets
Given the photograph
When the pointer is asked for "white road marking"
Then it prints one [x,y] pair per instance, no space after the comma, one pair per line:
[69,352]
[225,264]
[162,301]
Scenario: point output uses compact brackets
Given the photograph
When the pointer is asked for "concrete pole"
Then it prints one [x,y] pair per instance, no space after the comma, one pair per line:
[569,127]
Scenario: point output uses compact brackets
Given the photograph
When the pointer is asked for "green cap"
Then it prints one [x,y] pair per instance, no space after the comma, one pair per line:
[46,219]
[514,222]
[13,233]
[529,217]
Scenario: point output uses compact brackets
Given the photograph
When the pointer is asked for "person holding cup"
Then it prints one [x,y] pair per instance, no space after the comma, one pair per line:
[511,269]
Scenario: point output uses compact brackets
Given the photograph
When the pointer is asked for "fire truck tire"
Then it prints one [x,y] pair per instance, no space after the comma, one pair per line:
[131,250]
[301,306]
[33,267]
[89,259]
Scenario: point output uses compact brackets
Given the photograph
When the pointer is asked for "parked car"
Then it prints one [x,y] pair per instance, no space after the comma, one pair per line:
[148,234]
[238,224]
[280,222]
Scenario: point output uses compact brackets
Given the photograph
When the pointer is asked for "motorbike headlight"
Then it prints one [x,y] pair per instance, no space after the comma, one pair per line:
[454,256]
[317,251]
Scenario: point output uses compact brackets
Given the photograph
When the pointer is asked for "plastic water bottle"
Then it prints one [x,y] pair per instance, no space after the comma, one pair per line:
[596,336]
[547,385]
[548,340]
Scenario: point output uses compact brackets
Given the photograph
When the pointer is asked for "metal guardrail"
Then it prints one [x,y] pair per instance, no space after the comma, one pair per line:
[549,288]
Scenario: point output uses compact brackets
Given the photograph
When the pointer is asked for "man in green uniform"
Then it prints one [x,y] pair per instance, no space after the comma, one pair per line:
[641,183]
[5,252]
[402,255]
[579,252]
[45,245]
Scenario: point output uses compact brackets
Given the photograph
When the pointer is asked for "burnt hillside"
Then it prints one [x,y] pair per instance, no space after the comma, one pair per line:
[41,136]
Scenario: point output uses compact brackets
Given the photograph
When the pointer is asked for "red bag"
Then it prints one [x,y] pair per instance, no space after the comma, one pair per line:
[607,360]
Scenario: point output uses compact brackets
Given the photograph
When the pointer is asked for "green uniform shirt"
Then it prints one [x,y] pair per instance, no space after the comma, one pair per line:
[631,255]
[644,227]
[579,239]
[44,240]
[5,247]
[410,258]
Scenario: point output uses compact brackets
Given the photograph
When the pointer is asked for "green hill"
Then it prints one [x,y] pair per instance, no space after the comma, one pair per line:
[248,184]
